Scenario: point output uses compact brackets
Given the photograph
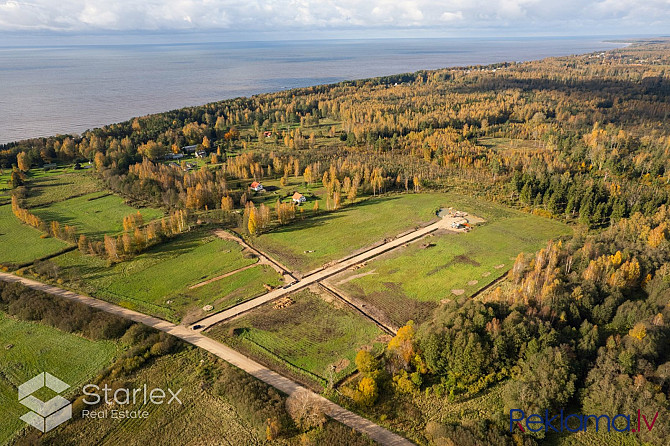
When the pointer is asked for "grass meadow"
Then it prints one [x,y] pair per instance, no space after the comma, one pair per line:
[93,214]
[158,280]
[58,185]
[308,244]
[20,243]
[409,283]
[29,348]
[311,334]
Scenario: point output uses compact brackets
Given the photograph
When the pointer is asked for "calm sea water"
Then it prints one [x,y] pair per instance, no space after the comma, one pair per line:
[46,90]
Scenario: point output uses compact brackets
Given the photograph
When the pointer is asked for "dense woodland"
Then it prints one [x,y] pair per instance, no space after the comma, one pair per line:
[582,324]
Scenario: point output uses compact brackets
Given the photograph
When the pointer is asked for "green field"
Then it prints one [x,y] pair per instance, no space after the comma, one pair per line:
[311,334]
[203,418]
[229,291]
[29,348]
[157,281]
[334,235]
[20,243]
[93,214]
[5,185]
[409,282]
[58,185]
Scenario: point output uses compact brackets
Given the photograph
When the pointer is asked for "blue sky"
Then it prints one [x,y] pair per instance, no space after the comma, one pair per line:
[256,19]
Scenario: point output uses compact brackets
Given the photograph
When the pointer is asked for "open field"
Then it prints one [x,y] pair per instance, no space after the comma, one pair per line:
[36,348]
[58,185]
[311,334]
[93,214]
[202,416]
[506,144]
[409,283]
[20,243]
[5,186]
[157,281]
[308,244]
[229,291]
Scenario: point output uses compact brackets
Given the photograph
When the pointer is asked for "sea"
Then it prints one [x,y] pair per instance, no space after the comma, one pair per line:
[48,88]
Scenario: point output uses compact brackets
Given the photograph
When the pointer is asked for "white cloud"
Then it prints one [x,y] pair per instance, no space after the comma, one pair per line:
[286,15]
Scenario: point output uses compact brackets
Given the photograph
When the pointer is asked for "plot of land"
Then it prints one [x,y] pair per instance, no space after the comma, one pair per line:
[93,214]
[202,418]
[20,243]
[29,348]
[158,280]
[310,334]
[54,186]
[410,282]
[308,244]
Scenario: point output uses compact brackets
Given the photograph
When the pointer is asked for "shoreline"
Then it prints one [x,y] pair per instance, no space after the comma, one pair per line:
[78,129]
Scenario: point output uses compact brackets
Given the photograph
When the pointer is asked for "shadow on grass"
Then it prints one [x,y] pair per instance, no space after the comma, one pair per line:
[329,216]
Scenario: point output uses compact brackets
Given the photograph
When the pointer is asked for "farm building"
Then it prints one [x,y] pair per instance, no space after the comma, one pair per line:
[298,198]
[200,154]
[190,149]
[173,156]
[256,186]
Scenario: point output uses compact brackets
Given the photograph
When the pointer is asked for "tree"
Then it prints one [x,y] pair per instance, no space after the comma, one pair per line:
[253,224]
[545,381]
[366,363]
[367,392]
[305,409]
[23,161]
[152,150]
[402,344]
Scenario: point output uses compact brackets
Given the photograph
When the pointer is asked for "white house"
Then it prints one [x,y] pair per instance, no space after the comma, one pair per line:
[298,198]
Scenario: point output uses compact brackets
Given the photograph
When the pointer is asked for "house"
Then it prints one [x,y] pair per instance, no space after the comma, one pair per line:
[173,156]
[190,149]
[267,134]
[200,154]
[256,186]
[298,198]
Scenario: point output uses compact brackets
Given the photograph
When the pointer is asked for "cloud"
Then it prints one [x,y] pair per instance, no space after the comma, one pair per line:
[300,15]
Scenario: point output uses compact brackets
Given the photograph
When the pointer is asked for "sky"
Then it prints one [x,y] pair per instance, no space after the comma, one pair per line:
[253,19]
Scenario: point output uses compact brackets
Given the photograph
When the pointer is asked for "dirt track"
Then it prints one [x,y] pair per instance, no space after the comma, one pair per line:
[444,223]
[285,385]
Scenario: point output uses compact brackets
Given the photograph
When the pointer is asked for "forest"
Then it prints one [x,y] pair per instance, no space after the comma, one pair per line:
[582,324]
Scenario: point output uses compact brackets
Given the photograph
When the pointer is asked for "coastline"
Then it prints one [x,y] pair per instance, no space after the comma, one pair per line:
[75,115]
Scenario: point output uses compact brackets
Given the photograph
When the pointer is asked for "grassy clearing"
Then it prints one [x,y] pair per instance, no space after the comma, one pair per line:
[333,235]
[410,282]
[310,334]
[203,418]
[93,214]
[55,186]
[37,348]
[20,243]
[5,185]
[229,291]
[157,281]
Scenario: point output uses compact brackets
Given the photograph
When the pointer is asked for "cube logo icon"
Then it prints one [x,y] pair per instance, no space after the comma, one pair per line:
[45,415]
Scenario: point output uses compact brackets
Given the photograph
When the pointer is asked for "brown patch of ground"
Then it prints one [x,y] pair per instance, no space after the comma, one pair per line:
[457,292]
[473,282]
[341,365]
[502,265]
[486,273]
[383,338]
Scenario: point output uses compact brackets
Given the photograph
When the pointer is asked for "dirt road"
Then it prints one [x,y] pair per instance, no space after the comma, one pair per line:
[203,324]
[344,416]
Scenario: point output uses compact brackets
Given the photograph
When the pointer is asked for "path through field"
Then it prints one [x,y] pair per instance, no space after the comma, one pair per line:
[316,277]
